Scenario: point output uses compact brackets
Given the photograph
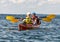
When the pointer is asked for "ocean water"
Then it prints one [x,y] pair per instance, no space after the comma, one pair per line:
[47,32]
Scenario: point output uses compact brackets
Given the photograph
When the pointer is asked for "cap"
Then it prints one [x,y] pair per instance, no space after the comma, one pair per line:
[34,13]
[28,13]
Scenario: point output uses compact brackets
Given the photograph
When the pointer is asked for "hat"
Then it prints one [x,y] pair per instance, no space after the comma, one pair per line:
[28,13]
[34,13]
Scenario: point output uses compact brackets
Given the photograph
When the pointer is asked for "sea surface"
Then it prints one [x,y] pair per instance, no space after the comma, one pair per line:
[47,32]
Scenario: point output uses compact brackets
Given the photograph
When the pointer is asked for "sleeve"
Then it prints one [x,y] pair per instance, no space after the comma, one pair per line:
[24,20]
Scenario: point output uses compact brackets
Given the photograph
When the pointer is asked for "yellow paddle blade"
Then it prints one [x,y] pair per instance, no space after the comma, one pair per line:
[47,19]
[14,21]
[51,16]
[10,17]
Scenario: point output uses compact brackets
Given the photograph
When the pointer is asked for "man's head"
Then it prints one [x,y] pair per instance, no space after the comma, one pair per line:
[28,14]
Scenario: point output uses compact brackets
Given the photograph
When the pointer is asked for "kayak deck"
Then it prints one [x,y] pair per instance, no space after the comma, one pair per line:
[27,27]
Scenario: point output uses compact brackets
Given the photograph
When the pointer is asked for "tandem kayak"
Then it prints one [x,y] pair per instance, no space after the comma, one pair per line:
[27,27]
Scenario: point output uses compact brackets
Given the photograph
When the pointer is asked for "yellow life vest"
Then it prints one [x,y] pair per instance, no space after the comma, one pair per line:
[28,20]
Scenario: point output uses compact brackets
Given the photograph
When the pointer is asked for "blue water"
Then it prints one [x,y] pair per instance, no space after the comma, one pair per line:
[48,31]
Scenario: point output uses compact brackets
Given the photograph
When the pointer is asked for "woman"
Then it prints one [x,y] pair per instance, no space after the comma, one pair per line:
[35,19]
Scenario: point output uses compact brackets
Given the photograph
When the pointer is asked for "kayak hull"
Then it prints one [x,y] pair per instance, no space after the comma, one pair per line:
[27,27]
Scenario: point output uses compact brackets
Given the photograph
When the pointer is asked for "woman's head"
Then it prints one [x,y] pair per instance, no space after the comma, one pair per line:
[33,14]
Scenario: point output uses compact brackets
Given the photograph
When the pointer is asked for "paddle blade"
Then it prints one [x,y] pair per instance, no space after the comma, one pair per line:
[47,19]
[14,21]
[51,16]
[9,18]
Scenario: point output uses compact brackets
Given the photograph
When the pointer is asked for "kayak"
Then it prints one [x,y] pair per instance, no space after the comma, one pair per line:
[27,27]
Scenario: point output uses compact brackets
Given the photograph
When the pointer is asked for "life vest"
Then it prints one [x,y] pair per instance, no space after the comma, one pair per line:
[28,20]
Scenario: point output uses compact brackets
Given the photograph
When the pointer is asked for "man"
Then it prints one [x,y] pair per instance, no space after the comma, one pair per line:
[27,22]
[35,19]
[28,19]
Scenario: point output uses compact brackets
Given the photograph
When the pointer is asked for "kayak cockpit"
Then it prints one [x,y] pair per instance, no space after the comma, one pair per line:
[27,27]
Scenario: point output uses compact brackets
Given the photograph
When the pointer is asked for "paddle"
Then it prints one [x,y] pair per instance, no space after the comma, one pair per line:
[48,18]
[12,19]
